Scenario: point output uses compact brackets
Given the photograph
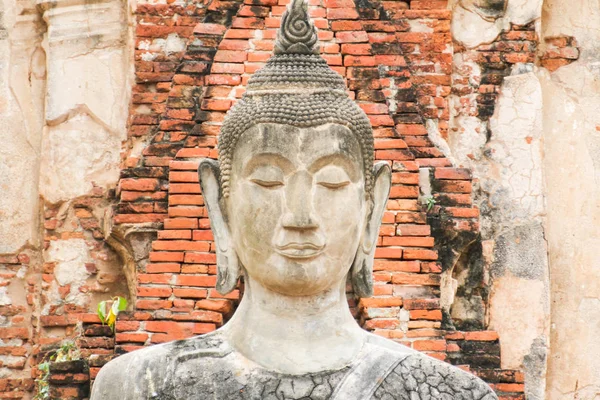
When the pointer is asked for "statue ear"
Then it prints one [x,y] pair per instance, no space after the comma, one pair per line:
[362,267]
[228,268]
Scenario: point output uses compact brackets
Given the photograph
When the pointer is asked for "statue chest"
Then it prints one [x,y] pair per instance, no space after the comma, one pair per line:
[229,379]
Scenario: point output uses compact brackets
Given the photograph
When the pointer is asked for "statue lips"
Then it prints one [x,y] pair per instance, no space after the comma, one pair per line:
[302,250]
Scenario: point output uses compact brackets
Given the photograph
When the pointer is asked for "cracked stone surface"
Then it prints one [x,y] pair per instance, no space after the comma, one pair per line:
[208,368]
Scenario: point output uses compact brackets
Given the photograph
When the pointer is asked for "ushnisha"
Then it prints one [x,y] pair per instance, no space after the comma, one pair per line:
[295,206]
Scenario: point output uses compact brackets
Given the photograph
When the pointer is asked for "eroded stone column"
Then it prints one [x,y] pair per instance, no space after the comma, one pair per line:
[87,97]
[572,171]
[22,80]
[86,108]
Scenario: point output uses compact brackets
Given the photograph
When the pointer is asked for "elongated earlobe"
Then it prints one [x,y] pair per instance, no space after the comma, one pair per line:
[228,267]
[362,267]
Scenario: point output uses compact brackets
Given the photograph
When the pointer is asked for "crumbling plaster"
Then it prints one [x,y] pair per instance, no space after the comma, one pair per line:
[22,79]
[475,22]
[506,157]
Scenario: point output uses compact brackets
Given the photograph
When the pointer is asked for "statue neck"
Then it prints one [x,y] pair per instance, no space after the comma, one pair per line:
[295,335]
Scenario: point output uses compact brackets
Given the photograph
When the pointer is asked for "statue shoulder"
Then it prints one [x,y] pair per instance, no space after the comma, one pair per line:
[422,377]
[144,373]
[417,376]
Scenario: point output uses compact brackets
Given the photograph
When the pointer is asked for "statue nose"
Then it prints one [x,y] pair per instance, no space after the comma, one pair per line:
[300,211]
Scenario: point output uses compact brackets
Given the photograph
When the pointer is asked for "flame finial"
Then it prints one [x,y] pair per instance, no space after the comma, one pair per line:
[297,34]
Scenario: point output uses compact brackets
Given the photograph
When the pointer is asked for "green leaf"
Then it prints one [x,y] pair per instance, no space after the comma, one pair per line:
[119,304]
[112,318]
[102,312]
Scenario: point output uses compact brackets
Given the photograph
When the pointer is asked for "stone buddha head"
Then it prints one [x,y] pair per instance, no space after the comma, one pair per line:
[295,205]
[295,201]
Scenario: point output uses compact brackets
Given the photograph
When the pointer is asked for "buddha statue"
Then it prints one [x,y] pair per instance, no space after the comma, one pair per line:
[295,205]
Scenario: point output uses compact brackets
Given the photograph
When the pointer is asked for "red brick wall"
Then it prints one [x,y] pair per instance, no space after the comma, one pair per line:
[397,60]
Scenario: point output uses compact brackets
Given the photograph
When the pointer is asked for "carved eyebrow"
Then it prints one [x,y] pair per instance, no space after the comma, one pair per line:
[339,159]
[262,159]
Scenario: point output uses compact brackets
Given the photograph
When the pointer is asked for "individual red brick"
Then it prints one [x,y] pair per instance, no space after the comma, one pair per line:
[413,230]
[339,4]
[236,45]
[352,37]
[205,28]
[429,345]
[411,129]
[194,269]
[452,173]
[177,245]
[405,178]
[375,108]
[432,315]
[403,278]
[175,234]
[248,23]
[346,26]
[482,336]
[153,291]
[391,60]
[462,212]
[202,235]
[190,293]
[183,305]
[222,306]
[231,80]
[200,258]
[508,387]
[200,315]
[408,241]
[454,186]
[124,326]
[420,254]
[57,320]
[131,337]
[154,278]
[342,13]
[139,184]
[183,176]
[404,192]
[381,302]
[158,256]
[153,304]
[196,280]
[431,267]
[202,328]
[382,323]
[388,252]
[422,304]
[393,155]
[263,45]
[181,223]
[403,266]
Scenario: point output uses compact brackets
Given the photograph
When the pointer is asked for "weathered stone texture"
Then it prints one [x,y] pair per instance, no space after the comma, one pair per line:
[453,95]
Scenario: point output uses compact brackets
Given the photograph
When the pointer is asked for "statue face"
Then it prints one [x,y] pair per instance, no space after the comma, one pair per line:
[296,209]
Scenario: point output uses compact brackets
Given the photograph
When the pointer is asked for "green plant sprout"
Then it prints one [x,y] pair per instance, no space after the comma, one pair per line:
[68,351]
[429,202]
[108,315]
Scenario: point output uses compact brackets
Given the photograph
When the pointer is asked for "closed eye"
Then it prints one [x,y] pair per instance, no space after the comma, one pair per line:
[267,184]
[334,185]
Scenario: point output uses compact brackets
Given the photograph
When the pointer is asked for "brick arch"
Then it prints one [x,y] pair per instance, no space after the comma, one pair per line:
[396,58]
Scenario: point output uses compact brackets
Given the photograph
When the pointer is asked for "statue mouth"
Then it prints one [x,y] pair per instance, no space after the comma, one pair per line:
[302,250]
